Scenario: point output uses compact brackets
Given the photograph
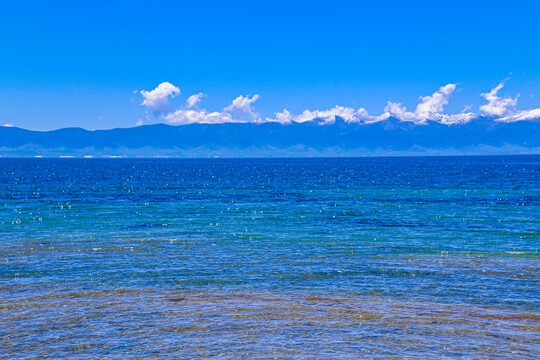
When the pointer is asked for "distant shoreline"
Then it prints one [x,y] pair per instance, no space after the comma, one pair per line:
[266,157]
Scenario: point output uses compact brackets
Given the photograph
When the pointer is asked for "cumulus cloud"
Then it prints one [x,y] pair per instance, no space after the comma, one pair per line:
[435,103]
[400,112]
[284,117]
[8,125]
[239,110]
[157,100]
[241,107]
[348,114]
[431,108]
[328,116]
[504,107]
[497,105]
[200,116]
[193,100]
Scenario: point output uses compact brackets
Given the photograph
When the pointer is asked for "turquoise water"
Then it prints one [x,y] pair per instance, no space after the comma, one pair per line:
[270,258]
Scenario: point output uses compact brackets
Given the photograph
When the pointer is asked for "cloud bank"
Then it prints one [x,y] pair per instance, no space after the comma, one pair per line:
[430,108]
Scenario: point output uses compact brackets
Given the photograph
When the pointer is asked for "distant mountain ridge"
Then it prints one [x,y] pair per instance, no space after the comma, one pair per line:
[314,138]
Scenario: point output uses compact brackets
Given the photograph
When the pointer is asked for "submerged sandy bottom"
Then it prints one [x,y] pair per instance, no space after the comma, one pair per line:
[129,323]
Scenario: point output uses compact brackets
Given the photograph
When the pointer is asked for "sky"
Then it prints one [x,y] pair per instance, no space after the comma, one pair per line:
[96,64]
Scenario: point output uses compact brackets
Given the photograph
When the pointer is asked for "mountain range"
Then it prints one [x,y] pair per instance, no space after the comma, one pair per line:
[314,138]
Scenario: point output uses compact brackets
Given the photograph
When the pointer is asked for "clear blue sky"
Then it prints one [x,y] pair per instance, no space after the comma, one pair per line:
[72,64]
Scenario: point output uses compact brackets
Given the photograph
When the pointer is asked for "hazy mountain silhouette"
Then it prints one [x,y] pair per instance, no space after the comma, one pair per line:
[314,138]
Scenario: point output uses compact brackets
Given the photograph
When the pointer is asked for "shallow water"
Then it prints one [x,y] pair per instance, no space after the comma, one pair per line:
[286,258]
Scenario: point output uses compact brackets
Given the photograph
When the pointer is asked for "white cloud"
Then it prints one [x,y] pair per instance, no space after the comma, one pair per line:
[400,112]
[201,116]
[139,122]
[497,105]
[284,117]
[435,103]
[193,100]
[8,125]
[238,111]
[431,108]
[363,116]
[241,107]
[157,100]
[348,114]
[329,116]
[504,108]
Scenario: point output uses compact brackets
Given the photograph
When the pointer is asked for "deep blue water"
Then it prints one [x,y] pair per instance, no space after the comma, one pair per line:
[263,258]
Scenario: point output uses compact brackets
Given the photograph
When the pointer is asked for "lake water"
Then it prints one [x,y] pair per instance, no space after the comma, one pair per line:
[270,258]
